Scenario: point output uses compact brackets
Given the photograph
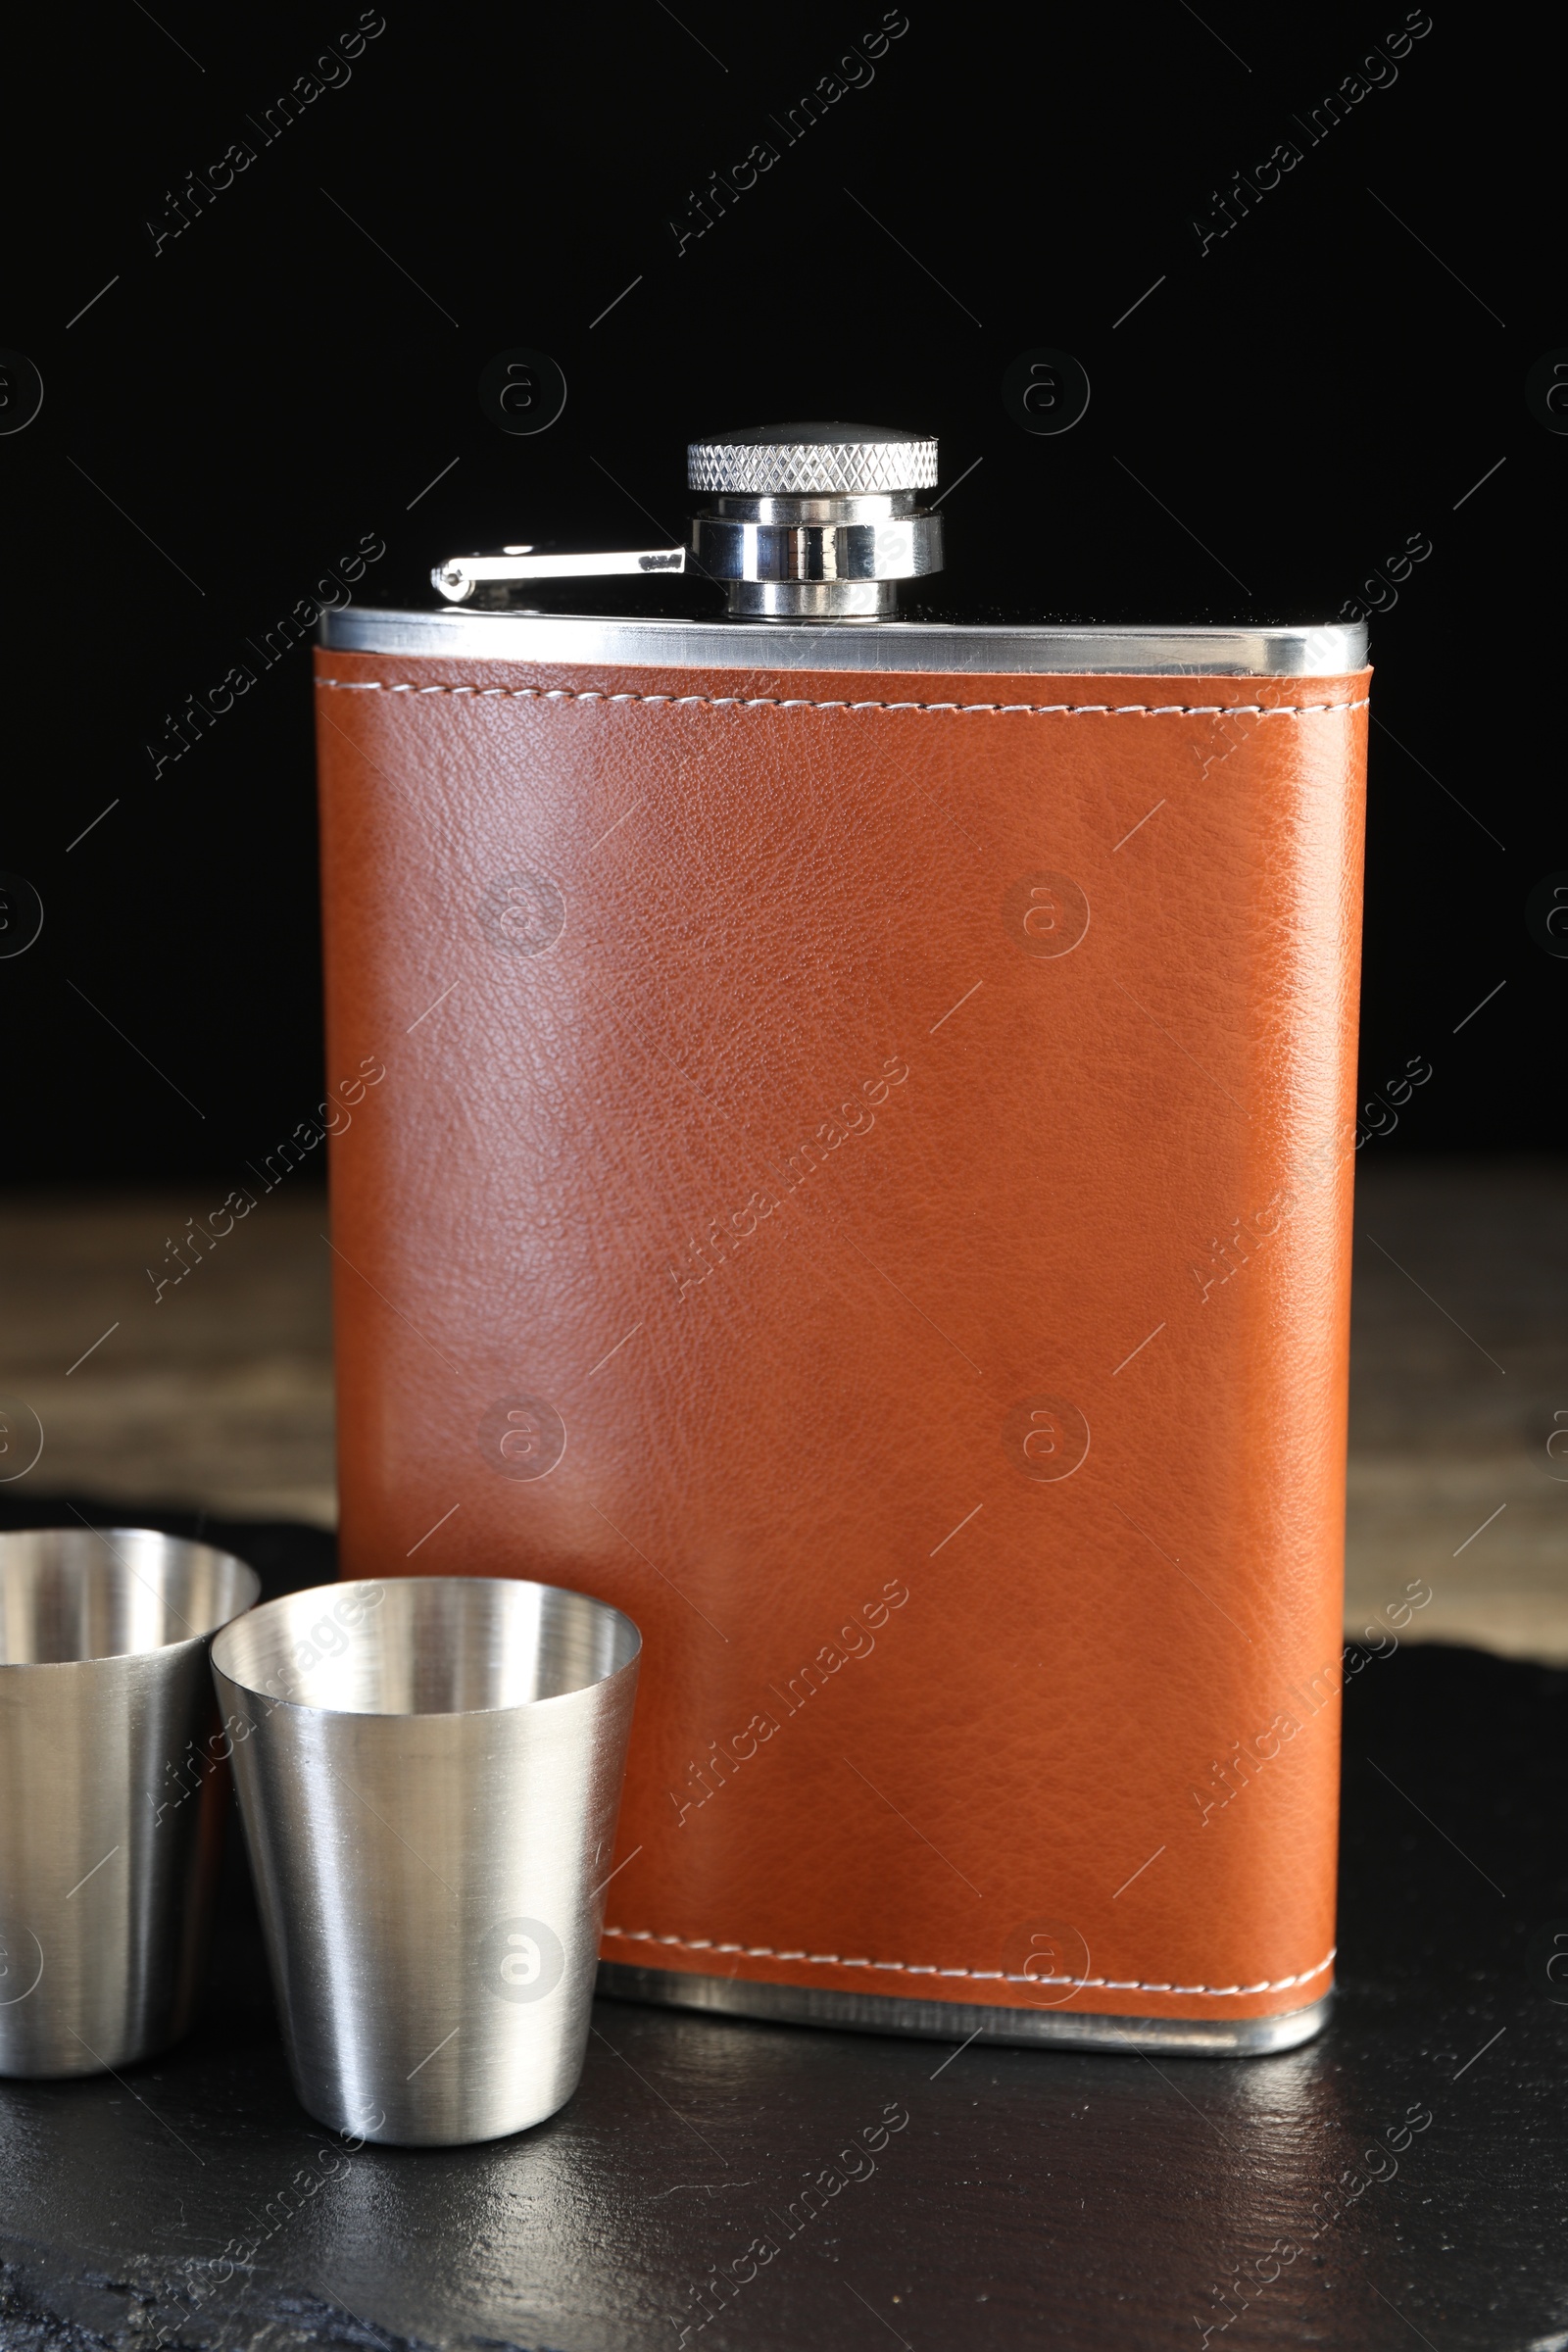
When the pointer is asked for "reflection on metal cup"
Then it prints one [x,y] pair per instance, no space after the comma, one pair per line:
[110,1765]
[430,1780]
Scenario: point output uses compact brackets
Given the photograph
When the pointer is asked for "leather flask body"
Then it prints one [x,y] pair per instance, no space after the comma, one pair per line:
[862,1182]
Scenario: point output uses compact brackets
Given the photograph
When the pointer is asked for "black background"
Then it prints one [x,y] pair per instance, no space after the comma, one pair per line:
[1283,411]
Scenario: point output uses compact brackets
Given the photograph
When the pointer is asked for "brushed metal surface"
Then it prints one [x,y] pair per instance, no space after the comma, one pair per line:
[429,1773]
[957,2021]
[915,646]
[111,1788]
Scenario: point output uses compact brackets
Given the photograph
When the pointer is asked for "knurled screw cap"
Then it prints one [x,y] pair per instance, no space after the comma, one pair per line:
[813,460]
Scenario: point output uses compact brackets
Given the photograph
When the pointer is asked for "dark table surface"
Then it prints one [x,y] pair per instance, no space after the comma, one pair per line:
[1402,2180]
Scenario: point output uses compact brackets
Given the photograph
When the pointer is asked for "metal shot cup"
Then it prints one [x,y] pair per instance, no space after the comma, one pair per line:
[429,1775]
[112,1795]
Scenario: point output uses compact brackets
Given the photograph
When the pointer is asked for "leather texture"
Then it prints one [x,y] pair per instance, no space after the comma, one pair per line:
[862,1183]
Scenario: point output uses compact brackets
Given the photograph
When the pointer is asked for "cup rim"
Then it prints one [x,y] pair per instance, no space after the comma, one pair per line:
[305,1706]
[249,1592]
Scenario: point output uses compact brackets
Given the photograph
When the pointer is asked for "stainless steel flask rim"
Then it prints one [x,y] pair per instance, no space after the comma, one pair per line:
[914,647]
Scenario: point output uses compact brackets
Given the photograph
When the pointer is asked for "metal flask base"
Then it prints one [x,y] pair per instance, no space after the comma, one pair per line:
[956,2021]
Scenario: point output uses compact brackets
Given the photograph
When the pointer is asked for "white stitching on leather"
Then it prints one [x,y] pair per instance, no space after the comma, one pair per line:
[772,702]
[980,1976]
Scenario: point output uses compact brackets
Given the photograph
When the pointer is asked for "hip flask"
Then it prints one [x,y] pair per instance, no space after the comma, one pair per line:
[863,1184]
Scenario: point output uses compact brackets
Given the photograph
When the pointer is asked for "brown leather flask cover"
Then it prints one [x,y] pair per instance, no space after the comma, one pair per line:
[861,1181]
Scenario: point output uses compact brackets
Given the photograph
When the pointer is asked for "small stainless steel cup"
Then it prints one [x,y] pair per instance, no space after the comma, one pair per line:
[112,1794]
[429,1773]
